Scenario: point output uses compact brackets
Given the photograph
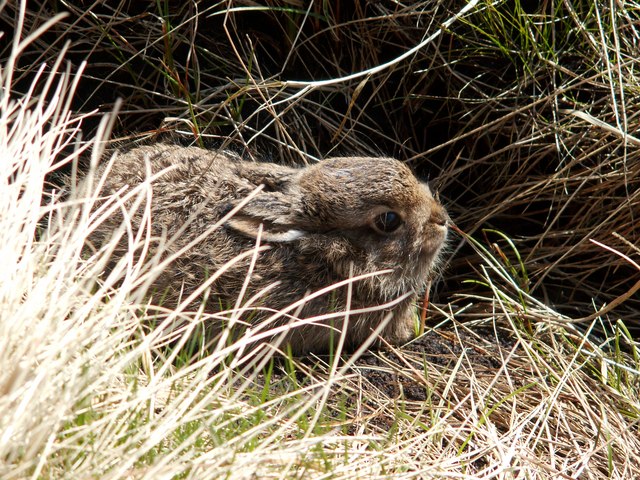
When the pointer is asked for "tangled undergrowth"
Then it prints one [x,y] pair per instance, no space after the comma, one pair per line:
[523,115]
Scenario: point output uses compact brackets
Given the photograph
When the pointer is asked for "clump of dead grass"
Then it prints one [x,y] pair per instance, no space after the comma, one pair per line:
[522,115]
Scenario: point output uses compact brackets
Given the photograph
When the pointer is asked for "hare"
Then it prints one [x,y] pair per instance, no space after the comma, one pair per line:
[320,225]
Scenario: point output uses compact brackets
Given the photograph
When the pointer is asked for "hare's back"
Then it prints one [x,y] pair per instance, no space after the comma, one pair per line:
[168,164]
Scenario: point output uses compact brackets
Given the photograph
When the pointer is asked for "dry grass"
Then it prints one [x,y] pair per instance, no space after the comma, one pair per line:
[523,116]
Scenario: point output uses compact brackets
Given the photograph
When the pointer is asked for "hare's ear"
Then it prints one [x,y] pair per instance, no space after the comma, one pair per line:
[272,210]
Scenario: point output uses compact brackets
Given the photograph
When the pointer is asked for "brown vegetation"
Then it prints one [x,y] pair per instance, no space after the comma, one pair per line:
[524,117]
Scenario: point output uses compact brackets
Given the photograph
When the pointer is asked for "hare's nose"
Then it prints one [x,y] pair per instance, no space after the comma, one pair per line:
[439,216]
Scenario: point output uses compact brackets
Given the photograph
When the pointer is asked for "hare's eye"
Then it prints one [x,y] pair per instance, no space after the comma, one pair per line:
[387,222]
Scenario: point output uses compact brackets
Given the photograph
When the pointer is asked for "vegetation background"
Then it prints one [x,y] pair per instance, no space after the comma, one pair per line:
[523,115]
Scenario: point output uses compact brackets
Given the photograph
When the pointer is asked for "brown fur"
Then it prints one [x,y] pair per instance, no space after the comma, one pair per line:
[317,222]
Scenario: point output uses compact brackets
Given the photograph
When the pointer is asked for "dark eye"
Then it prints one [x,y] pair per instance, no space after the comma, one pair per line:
[387,222]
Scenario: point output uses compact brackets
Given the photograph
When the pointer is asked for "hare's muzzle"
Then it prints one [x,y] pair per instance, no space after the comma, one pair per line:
[435,230]
[439,216]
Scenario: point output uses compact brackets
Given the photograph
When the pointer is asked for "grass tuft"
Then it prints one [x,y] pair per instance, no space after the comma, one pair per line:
[522,115]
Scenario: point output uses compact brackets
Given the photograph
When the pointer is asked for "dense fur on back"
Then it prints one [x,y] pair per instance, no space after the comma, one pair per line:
[339,218]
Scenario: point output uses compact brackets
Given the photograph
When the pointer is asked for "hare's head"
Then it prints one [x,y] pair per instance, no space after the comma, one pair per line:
[357,215]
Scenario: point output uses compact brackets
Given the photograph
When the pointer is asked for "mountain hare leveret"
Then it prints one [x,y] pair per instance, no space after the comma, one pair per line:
[323,224]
